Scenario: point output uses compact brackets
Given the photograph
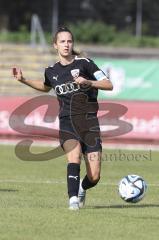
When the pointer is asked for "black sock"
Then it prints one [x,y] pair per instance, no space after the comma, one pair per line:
[73,179]
[86,183]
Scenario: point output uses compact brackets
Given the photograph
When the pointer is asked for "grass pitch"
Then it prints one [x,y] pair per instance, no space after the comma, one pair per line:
[34,203]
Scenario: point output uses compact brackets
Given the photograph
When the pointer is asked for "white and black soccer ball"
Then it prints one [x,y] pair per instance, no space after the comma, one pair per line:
[132,188]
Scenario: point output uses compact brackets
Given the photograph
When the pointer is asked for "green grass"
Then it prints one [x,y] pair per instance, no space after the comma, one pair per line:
[33,200]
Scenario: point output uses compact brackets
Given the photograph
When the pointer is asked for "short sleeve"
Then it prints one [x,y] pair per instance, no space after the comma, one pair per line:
[94,72]
[46,79]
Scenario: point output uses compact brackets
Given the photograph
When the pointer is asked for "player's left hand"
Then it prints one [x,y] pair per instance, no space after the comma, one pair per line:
[83,81]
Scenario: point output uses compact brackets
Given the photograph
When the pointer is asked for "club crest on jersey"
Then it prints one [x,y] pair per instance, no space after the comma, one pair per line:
[75,73]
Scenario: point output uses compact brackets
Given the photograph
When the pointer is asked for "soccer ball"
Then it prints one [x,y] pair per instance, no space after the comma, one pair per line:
[132,188]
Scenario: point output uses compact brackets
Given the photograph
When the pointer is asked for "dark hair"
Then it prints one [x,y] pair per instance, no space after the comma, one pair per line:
[65,29]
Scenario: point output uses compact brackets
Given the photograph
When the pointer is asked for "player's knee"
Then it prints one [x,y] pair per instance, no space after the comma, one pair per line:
[74,157]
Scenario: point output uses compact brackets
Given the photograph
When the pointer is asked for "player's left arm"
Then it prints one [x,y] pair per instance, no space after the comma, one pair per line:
[97,78]
[104,84]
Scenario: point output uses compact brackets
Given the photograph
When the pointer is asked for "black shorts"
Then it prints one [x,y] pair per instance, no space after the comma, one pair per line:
[84,128]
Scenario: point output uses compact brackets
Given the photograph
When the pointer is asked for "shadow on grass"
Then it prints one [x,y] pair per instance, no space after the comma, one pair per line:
[8,190]
[122,206]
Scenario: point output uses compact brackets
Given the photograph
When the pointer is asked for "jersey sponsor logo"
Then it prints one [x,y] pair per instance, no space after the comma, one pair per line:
[99,75]
[66,88]
[75,73]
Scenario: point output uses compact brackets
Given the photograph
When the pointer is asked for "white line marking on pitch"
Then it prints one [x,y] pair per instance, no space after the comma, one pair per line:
[105,145]
[59,182]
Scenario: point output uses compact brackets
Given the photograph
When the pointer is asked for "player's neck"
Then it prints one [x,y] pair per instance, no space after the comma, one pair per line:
[66,60]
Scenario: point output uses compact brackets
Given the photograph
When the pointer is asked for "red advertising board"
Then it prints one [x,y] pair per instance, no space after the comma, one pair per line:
[18,112]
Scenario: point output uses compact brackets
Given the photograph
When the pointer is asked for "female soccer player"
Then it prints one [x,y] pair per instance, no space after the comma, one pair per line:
[76,81]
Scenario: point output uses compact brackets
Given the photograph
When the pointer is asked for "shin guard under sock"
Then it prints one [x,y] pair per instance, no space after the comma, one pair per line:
[73,179]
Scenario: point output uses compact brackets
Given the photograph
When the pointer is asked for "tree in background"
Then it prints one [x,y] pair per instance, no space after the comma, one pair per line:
[121,14]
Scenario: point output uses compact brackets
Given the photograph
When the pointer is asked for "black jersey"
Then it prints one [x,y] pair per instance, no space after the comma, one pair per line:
[73,98]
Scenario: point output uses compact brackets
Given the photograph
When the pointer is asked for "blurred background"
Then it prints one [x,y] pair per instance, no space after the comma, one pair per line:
[120,36]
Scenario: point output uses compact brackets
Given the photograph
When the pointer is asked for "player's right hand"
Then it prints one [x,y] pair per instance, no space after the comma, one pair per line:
[17,73]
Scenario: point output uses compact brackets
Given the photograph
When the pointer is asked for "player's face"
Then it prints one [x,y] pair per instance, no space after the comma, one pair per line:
[64,44]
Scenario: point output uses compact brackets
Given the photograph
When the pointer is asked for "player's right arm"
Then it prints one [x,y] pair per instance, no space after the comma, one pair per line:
[36,84]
